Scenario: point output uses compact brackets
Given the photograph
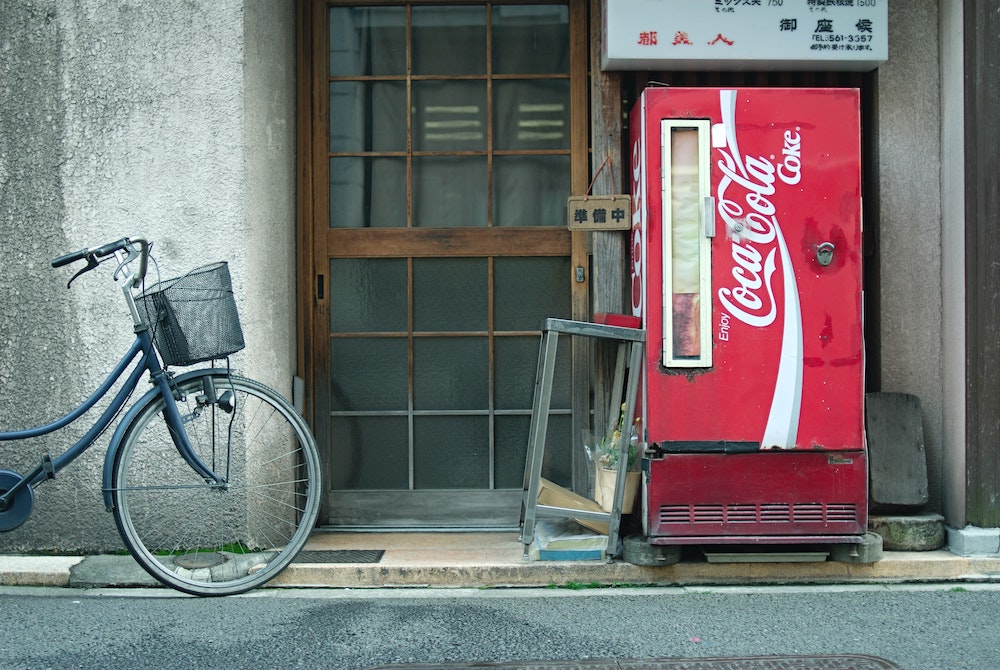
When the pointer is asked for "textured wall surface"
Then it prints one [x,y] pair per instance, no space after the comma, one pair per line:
[169,120]
[909,130]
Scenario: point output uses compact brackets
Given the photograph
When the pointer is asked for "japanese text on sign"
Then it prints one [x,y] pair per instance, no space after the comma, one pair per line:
[599,212]
[745,34]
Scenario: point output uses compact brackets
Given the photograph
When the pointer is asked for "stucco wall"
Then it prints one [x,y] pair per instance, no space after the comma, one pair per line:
[909,145]
[170,120]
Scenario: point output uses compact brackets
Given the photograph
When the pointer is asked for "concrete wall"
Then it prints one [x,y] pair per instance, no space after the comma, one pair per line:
[909,145]
[170,120]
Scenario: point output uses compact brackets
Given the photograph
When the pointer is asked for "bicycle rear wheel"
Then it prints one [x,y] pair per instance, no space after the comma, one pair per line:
[206,538]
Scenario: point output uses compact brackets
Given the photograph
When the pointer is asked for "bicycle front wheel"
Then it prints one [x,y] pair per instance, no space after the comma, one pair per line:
[203,537]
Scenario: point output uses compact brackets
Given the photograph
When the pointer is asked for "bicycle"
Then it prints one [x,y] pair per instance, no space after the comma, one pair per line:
[213,478]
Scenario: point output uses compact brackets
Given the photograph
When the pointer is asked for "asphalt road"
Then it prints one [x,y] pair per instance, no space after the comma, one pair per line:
[929,627]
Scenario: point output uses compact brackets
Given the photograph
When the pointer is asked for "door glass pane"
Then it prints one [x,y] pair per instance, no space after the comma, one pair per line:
[451,373]
[367,116]
[531,39]
[530,190]
[449,116]
[449,40]
[520,305]
[449,192]
[357,464]
[511,450]
[451,452]
[516,362]
[368,295]
[367,41]
[370,374]
[531,114]
[450,294]
[512,447]
[367,192]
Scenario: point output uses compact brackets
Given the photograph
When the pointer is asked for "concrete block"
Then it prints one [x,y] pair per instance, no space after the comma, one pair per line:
[638,551]
[974,541]
[920,532]
[869,550]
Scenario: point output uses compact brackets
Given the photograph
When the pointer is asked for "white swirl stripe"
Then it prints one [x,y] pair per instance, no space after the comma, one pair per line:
[760,227]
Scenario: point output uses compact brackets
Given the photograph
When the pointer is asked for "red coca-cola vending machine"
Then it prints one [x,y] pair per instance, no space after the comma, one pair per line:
[746,273]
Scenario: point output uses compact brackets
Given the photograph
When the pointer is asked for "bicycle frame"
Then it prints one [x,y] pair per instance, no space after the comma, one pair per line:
[148,362]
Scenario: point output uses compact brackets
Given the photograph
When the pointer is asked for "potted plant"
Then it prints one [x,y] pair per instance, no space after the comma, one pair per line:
[605,452]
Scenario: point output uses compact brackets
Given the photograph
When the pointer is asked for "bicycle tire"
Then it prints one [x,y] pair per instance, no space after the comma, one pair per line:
[202,538]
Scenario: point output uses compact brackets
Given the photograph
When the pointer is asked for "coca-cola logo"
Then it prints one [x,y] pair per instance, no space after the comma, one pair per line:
[637,244]
[746,206]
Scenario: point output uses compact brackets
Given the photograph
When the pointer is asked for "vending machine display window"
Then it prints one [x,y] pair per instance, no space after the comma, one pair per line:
[688,224]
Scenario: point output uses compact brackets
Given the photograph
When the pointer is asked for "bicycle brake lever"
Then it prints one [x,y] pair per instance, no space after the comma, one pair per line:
[91,264]
[132,255]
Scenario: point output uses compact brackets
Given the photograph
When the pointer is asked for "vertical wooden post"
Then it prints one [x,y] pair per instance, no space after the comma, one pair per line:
[609,247]
[982,239]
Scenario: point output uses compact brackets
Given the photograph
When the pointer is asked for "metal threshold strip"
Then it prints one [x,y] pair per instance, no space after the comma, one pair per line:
[340,556]
[824,662]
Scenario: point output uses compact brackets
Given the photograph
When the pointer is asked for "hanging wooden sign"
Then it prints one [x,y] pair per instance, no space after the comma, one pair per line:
[599,212]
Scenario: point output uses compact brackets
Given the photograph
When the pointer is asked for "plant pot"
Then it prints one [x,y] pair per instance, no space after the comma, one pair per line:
[604,489]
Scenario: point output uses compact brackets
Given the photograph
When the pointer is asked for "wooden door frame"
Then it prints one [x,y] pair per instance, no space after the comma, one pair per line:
[310,17]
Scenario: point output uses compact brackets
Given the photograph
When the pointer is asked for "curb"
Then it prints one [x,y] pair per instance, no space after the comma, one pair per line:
[37,570]
[102,571]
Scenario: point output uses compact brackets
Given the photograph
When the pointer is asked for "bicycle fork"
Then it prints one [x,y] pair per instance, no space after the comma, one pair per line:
[208,398]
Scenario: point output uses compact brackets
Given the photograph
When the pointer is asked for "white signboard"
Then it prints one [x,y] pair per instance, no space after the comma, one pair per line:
[745,34]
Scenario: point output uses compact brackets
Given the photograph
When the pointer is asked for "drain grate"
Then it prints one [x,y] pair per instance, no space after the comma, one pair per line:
[340,556]
[834,662]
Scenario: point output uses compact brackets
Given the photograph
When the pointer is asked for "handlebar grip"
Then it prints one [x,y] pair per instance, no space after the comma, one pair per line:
[111,247]
[99,252]
[66,259]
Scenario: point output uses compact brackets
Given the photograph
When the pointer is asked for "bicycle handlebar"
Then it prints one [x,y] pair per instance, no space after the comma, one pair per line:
[96,255]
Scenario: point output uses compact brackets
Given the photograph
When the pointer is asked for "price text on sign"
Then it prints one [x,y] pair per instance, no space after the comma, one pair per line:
[599,212]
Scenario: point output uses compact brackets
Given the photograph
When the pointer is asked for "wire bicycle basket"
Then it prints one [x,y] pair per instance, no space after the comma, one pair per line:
[194,316]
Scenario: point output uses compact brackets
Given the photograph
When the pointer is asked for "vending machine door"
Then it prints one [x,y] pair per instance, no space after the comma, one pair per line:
[746,272]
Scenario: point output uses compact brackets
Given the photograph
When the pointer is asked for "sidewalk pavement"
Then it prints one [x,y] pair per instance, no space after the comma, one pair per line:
[494,559]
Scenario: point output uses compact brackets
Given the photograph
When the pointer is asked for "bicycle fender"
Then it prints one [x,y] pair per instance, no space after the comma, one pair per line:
[122,428]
